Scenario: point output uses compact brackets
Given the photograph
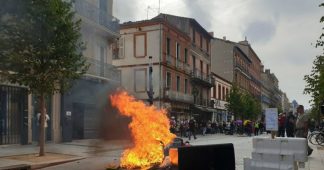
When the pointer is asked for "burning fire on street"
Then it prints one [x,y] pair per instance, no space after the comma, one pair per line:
[149,129]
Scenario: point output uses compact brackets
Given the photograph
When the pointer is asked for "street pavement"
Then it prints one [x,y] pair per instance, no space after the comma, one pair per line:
[97,155]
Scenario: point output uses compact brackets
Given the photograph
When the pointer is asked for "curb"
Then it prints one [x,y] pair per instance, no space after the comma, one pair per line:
[53,163]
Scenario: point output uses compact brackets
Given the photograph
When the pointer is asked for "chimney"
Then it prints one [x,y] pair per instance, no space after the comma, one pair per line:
[224,37]
[211,33]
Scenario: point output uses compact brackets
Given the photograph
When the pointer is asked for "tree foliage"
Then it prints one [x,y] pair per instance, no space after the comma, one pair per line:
[243,104]
[41,48]
[235,104]
[315,80]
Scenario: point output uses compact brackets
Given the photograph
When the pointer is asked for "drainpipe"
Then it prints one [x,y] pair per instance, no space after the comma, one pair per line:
[150,92]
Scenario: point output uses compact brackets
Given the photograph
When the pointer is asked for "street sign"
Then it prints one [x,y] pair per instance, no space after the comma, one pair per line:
[271,116]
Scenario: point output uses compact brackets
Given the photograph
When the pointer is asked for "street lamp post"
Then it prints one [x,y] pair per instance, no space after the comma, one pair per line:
[150,92]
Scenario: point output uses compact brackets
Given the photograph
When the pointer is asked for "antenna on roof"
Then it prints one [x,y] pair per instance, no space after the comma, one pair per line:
[147,10]
[153,9]
[159,6]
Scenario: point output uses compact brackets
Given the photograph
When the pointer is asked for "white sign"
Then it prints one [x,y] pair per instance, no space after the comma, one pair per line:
[68,113]
[271,116]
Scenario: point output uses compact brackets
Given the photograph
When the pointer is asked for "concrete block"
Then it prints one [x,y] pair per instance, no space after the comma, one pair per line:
[295,146]
[247,164]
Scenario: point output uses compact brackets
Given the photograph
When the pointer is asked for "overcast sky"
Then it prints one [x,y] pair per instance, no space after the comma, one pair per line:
[281,32]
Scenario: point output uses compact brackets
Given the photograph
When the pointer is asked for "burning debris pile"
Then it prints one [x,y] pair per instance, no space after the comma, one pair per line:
[150,132]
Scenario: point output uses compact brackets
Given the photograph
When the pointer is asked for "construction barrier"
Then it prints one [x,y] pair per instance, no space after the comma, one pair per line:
[277,154]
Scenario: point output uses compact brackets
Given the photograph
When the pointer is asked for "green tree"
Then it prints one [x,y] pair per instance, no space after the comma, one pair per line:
[315,80]
[251,106]
[41,49]
[234,102]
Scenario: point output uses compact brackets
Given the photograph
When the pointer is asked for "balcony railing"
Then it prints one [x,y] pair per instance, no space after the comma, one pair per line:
[187,68]
[179,65]
[101,69]
[179,96]
[170,59]
[95,14]
[202,76]
[203,102]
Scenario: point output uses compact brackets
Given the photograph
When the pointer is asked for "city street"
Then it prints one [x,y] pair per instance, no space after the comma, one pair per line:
[242,146]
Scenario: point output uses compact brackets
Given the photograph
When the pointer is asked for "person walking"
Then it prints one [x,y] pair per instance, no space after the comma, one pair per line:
[281,122]
[302,125]
[256,128]
[192,128]
[290,124]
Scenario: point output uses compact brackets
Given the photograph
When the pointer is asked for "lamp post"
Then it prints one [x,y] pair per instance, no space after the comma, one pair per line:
[150,92]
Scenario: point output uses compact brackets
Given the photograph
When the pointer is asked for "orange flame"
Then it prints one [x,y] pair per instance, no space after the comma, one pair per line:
[150,131]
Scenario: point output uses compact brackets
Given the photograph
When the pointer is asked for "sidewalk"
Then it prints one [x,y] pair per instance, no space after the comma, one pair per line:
[13,155]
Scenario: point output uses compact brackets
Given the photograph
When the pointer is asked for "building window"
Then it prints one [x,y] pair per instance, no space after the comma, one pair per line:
[194,63]
[207,69]
[101,57]
[223,93]
[178,83]
[168,80]
[186,55]
[214,91]
[207,46]
[194,35]
[168,46]
[140,80]
[140,45]
[201,41]
[201,67]
[177,51]
[219,92]
[227,93]
[121,49]
[186,86]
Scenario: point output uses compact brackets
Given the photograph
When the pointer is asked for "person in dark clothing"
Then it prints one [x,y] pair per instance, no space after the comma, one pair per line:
[290,124]
[281,123]
[192,128]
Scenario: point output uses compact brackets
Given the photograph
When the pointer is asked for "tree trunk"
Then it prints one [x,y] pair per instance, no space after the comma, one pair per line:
[42,126]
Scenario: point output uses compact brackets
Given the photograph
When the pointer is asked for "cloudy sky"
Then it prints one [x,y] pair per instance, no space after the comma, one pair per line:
[281,32]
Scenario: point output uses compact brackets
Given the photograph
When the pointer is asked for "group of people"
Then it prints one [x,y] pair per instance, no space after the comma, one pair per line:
[190,127]
[295,125]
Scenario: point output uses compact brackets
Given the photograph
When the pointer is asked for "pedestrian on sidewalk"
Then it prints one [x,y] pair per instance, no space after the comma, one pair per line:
[47,118]
[256,128]
[281,122]
[192,128]
[302,125]
[290,124]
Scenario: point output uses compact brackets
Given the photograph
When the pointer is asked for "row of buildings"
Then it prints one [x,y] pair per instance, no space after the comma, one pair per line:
[193,72]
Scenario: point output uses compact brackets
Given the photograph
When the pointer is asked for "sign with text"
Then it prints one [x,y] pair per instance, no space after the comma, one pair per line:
[271,117]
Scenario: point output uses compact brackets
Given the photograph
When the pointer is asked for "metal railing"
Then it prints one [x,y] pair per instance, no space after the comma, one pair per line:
[101,69]
[95,14]
[179,64]
[196,73]
[187,68]
[179,96]
[203,102]
[169,59]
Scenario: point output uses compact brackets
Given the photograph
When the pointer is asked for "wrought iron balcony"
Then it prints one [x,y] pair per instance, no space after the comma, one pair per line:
[178,96]
[200,77]
[95,14]
[101,69]
[203,102]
